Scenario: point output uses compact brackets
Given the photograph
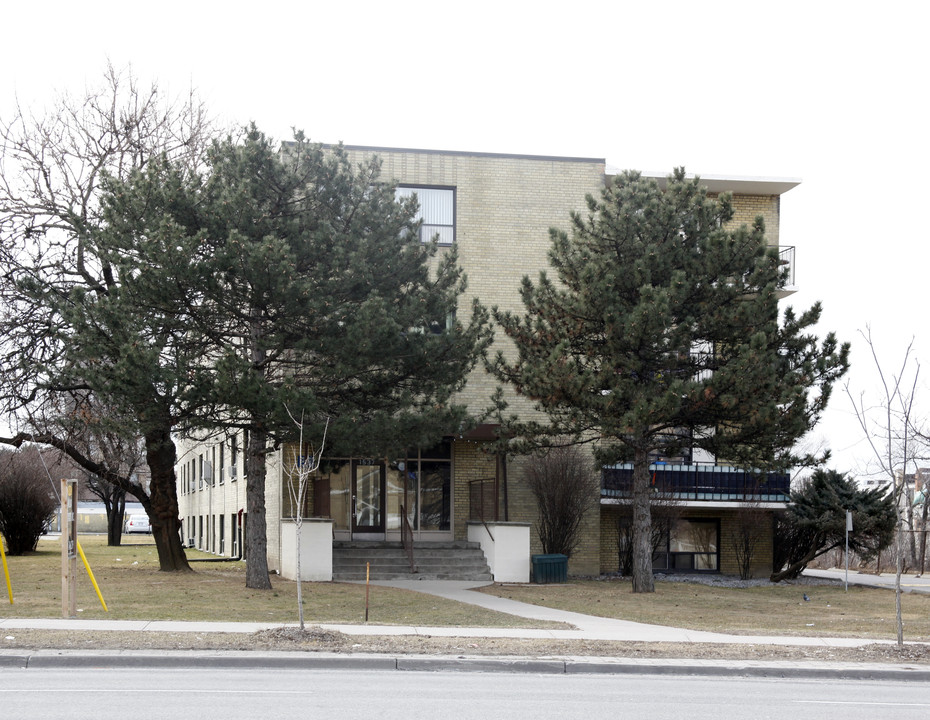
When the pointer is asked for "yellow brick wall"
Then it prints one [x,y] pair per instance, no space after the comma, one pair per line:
[762,557]
[505,206]
[746,208]
[608,546]
[471,462]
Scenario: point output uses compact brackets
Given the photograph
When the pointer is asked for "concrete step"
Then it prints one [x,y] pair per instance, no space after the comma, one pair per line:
[439,561]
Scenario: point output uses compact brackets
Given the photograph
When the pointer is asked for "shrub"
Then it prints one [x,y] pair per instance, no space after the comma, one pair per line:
[566,486]
[27,502]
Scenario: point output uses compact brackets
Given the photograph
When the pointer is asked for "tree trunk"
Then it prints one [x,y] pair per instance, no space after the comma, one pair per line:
[163,511]
[796,568]
[899,570]
[116,508]
[643,580]
[256,549]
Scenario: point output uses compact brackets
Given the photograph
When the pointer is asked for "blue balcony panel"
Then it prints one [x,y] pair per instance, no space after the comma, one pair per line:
[700,483]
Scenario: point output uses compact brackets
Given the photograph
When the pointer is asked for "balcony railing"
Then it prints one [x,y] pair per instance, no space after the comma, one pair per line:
[700,482]
[786,257]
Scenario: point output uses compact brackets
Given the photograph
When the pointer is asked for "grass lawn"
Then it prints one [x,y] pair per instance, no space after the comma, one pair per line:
[135,589]
[767,610]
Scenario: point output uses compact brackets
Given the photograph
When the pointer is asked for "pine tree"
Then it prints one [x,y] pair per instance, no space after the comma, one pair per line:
[815,521]
[312,293]
[662,332]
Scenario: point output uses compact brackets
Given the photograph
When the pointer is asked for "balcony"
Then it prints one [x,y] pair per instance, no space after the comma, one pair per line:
[786,259]
[700,483]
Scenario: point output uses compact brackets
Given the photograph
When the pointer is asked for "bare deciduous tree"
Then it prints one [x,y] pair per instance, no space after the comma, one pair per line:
[305,463]
[564,482]
[890,426]
[52,169]
[751,527]
[100,434]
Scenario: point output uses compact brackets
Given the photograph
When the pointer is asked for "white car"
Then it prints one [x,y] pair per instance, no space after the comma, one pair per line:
[138,524]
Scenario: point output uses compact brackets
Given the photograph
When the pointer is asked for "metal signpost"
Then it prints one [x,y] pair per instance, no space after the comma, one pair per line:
[849,528]
[69,548]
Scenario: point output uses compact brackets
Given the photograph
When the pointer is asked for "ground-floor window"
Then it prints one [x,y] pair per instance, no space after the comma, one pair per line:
[423,485]
[691,544]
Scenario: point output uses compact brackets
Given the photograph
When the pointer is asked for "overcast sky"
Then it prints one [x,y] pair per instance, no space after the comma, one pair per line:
[831,93]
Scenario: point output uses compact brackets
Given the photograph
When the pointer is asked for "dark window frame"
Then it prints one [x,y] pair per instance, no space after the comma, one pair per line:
[668,561]
[425,236]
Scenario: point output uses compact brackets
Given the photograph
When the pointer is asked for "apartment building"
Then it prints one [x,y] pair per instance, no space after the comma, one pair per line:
[496,209]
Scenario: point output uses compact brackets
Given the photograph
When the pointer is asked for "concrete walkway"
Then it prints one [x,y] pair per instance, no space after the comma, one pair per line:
[583,627]
[579,626]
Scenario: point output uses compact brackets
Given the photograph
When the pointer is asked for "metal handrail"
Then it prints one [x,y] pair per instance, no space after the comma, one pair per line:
[406,538]
[479,507]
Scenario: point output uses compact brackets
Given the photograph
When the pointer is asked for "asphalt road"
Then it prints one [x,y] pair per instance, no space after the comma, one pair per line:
[909,582]
[282,694]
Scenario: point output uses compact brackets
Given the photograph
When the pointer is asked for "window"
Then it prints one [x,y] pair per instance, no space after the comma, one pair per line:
[233,455]
[437,211]
[691,545]
[422,483]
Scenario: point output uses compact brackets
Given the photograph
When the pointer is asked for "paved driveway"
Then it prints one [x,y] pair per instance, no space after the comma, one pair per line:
[909,583]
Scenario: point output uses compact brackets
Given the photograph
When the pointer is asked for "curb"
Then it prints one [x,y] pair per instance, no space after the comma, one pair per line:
[429,663]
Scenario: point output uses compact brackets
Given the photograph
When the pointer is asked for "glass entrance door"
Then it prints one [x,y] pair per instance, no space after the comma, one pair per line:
[367,497]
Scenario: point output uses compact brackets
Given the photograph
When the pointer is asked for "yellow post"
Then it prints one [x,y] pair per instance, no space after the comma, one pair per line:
[90,574]
[6,572]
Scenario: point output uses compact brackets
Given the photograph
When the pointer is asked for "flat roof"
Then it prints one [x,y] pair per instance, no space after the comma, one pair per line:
[466,153]
[737,184]
[740,185]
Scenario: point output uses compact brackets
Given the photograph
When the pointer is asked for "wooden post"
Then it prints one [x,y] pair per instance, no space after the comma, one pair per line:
[69,548]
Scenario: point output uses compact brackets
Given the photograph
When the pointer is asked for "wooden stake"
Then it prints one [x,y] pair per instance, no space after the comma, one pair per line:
[68,548]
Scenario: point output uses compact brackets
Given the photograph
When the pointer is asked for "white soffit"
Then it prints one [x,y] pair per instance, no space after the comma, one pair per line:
[736,184]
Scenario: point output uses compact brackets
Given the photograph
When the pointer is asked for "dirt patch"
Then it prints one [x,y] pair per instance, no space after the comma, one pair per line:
[315,639]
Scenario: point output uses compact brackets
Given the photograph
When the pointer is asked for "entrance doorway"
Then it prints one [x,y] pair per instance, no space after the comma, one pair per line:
[368,494]
[367,498]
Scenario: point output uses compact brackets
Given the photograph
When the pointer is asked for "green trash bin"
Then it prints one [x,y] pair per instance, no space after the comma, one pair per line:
[550,568]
